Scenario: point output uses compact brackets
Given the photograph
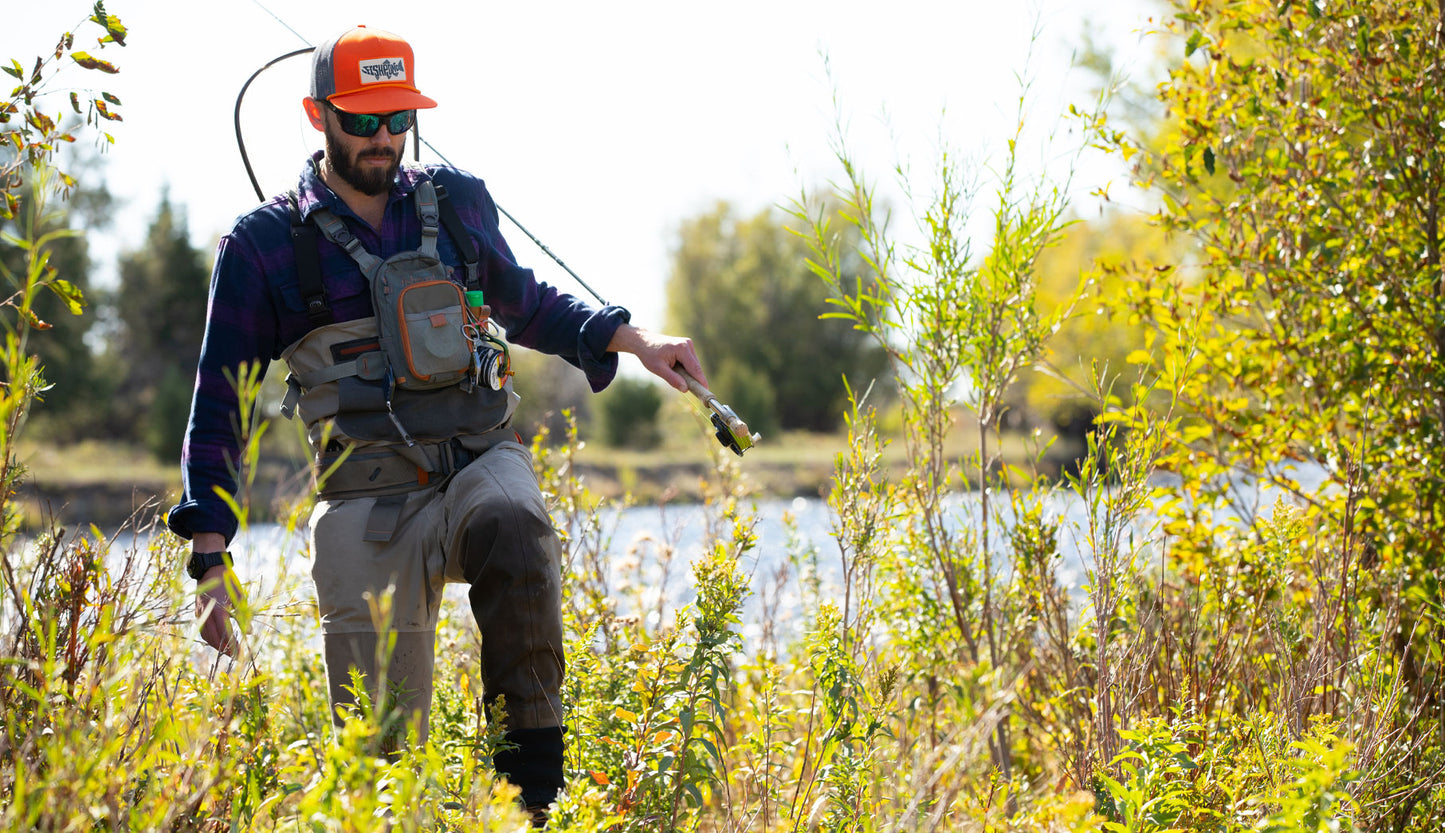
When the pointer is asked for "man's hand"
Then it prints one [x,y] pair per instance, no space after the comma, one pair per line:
[213,608]
[215,601]
[658,353]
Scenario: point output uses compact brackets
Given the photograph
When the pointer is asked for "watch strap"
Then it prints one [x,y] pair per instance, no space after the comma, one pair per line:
[202,561]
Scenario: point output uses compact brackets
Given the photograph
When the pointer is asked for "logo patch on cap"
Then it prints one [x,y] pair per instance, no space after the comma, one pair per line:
[377,70]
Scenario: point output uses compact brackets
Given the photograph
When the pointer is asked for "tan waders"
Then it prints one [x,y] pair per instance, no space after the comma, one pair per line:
[421,484]
[487,527]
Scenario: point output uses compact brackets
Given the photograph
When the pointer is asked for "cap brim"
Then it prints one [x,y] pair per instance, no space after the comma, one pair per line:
[384,99]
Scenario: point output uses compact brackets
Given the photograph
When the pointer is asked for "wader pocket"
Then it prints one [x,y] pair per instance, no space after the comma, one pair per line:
[429,415]
[361,411]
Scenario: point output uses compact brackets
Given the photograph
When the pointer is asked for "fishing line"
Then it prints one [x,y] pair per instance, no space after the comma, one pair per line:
[277,18]
[417,142]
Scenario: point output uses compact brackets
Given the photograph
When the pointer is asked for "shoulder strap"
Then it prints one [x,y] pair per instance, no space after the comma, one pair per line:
[426,211]
[333,229]
[466,247]
[308,265]
[308,259]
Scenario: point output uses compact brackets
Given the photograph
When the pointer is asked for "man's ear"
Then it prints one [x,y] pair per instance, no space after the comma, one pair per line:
[313,112]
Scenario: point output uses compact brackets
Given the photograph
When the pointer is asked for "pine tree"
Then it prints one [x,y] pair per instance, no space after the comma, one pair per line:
[161,311]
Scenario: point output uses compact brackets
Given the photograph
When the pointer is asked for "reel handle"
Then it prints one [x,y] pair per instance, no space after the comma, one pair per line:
[732,432]
[694,387]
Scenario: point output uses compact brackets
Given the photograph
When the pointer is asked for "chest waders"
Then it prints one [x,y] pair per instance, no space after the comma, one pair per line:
[400,400]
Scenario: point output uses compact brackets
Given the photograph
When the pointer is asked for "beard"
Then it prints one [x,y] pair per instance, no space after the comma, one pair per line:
[368,180]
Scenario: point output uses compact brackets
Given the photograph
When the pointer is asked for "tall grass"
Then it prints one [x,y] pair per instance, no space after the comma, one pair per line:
[1210,676]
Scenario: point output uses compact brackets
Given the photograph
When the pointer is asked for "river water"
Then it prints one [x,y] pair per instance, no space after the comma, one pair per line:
[793,535]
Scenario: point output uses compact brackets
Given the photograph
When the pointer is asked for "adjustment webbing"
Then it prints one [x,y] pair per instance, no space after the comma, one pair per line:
[308,265]
[466,247]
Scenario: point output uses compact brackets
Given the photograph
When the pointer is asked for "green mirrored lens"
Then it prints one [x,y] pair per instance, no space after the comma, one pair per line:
[400,121]
[364,124]
[358,124]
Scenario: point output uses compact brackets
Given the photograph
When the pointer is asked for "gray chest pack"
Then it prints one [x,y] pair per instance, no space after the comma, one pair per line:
[402,399]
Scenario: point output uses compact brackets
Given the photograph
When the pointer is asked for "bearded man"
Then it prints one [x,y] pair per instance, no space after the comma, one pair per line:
[386,289]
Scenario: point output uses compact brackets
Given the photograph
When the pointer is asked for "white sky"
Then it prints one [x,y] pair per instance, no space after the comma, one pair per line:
[600,126]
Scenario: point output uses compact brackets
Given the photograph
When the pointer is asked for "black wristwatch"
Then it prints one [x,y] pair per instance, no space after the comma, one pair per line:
[202,561]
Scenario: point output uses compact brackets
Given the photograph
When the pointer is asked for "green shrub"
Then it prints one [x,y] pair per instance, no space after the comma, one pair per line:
[628,411]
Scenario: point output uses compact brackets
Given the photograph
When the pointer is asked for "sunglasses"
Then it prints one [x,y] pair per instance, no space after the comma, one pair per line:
[365,125]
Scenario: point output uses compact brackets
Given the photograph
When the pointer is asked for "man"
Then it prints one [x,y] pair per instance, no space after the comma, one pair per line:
[409,403]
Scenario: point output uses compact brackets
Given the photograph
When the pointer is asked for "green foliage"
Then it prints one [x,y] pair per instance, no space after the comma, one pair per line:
[1300,161]
[951,320]
[71,407]
[1233,659]
[647,691]
[108,723]
[1079,283]
[32,137]
[741,289]
[628,411]
[160,306]
[27,132]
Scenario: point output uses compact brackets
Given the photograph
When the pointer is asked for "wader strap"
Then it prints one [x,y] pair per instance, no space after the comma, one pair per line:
[426,209]
[370,365]
[337,232]
[308,265]
[293,396]
[381,471]
[381,520]
[466,247]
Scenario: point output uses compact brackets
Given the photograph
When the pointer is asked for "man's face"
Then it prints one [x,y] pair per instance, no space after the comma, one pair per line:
[367,164]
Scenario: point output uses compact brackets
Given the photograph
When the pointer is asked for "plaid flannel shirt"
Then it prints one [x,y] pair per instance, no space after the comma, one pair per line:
[255,311]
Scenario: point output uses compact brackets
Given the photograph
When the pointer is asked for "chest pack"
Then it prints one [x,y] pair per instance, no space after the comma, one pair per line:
[433,333]
[397,400]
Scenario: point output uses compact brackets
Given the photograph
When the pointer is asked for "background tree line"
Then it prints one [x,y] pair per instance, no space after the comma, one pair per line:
[123,370]
[1237,659]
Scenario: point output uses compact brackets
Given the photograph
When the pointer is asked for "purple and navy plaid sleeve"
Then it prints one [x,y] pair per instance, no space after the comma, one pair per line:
[256,310]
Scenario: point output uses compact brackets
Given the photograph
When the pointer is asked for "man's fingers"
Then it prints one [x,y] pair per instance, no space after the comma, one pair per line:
[667,372]
[680,353]
[221,636]
[214,613]
[689,361]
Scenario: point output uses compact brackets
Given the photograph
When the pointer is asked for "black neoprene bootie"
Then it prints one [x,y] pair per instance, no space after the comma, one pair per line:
[532,762]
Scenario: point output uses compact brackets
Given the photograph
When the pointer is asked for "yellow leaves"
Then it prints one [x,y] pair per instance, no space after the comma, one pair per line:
[1195,432]
[623,714]
[86,60]
[115,31]
[70,294]
[105,111]
[34,320]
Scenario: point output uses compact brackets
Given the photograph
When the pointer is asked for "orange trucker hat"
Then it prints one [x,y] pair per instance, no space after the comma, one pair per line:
[367,71]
